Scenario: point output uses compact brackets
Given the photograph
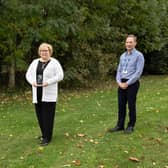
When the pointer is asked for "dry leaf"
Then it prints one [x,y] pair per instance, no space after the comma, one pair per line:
[67,165]
[76,162]
[159,140]
[79,145]
[116,166]
[134,159]
[40,149]
[101,166]
[32,166]
[166,129]
[154,163]
[81,121]
[81,135]
[126,151]
[91,140]
[3,157]
[100,135]
[21,157]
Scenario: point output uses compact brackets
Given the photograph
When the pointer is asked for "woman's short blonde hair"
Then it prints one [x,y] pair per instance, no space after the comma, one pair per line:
[49,46]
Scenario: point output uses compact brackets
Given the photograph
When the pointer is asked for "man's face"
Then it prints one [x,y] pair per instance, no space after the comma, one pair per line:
[130,43]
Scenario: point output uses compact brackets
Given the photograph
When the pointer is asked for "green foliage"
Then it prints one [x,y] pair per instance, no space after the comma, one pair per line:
[87,36]
[159,62]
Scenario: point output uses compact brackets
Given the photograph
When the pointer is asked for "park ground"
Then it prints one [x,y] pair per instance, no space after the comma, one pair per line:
[80,134]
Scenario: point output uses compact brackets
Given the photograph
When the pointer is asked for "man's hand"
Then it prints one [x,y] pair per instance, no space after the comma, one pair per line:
[123,85]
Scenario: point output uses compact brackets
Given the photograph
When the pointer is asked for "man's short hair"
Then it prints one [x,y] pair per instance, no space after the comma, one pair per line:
[133,36]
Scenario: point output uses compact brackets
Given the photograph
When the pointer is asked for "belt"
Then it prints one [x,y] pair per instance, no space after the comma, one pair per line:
[124,80]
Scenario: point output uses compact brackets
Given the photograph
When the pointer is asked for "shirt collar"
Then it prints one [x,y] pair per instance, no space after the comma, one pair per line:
[132,51]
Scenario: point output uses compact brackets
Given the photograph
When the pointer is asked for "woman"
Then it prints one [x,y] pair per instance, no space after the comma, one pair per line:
[43,74]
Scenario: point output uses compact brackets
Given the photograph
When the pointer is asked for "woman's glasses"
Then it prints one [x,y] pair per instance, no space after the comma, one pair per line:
[44,50]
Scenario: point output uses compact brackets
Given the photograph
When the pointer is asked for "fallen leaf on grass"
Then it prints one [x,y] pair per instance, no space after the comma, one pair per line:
[134,159]
[3,157]
[66,134]
[126,151]
[81,135]
[96,142]
[31,166]
[40,149]
[21,157]
[166,167]
[154,163]
[166,129]
[67,165]
[100,135]
[159,140]
[101,166]
[91,140]
[98,104]
[116,166]
[80,145]
[76,162]
[81,121]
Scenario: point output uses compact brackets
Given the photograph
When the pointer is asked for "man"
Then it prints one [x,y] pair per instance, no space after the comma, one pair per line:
[129,71]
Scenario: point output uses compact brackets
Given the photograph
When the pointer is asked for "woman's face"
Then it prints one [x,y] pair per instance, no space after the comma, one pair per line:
[44,53]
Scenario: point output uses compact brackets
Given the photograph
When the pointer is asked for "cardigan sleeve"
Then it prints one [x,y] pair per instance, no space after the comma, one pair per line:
[59,74]
[30,73]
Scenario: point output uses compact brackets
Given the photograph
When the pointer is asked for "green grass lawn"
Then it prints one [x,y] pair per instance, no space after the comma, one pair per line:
[80,132]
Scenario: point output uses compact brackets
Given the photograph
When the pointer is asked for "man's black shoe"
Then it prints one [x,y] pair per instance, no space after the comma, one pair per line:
[115,129]
[44,142]
[129,130]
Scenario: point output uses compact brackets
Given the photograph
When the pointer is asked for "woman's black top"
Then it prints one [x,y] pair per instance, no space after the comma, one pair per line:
[39,78]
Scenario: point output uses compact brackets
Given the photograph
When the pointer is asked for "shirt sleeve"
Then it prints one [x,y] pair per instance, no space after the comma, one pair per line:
[139,70]
[118,75]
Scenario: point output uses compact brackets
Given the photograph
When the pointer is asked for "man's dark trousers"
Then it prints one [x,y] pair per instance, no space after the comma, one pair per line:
[124,96]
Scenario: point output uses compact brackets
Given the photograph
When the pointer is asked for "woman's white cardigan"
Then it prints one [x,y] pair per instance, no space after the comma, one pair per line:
[52,74]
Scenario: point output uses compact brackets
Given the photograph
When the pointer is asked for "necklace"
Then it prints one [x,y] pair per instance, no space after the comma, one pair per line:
[44,64]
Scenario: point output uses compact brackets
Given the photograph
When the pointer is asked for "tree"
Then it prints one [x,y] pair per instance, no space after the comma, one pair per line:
[87,35]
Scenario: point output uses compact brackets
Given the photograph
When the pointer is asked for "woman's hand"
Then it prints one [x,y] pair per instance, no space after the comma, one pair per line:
[45,84]
[39,85]
[34,84]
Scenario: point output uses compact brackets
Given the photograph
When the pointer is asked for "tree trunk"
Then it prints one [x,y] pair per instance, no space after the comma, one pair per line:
[11,83]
